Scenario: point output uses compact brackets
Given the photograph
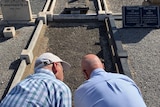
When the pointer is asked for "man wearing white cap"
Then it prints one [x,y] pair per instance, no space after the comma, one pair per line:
[44,88]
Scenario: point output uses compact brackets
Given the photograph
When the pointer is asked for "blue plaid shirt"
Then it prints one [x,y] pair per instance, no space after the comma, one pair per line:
[41,89]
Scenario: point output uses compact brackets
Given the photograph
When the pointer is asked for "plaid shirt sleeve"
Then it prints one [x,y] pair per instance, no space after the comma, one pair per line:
[38,92]
[62,95]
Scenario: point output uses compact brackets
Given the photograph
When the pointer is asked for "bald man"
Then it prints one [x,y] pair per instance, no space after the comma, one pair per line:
[102,89]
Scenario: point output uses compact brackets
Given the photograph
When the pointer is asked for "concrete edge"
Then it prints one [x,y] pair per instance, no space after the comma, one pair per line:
[120,54]
[106,10]
[99,5]
[52,6]
[106,7]
[50,12]
[35,36]
[46,6]
[74,16]
[28,53]
[19,74]
[26,56]
[42,16]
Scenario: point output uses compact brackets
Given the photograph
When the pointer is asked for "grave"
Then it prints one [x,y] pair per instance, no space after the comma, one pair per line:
[16,10]
[77,7]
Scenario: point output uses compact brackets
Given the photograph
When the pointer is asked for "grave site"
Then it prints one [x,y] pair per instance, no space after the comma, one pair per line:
[123,34]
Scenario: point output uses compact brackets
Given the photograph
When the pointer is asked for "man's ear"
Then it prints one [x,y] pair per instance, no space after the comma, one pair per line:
[86,74]
[54,68]
[103,66]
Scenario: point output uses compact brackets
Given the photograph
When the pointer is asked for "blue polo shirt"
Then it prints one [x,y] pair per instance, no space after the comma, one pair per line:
[41,89]
[108,90]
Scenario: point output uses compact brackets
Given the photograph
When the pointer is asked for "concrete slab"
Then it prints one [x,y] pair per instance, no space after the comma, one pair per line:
[9,32]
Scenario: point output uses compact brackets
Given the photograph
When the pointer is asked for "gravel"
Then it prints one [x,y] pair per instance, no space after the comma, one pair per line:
[143,47]
[115,6]
[37,5]
[11,49]
[144,51]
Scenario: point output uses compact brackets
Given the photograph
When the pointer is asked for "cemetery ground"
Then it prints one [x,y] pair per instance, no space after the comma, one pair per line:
[142,45]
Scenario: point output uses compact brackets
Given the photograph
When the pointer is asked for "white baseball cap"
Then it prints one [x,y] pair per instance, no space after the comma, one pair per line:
[49,58]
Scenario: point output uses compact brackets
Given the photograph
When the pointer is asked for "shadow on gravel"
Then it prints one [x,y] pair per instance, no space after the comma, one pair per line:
[132,35]
[14,67]
[95,5]
[2,38]
[71,1]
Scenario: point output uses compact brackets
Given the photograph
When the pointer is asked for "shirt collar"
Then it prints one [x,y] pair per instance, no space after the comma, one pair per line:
[45,71]
[96,71]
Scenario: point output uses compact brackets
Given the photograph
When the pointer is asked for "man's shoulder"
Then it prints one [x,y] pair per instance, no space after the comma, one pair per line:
[43,79]
[103,78]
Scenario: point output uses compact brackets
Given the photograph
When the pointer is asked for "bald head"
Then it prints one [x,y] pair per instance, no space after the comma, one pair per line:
[90,62]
